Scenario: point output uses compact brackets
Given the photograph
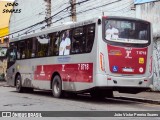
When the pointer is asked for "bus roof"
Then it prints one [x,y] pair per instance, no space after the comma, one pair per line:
[69,25]
[127,18]
[55,29]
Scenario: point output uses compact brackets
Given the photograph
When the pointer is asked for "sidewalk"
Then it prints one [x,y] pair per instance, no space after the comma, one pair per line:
[152,96]
[3,83]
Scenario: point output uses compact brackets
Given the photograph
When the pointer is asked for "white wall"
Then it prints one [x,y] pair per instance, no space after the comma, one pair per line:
[156,58]
[30,14]
[151,12]
[110,8]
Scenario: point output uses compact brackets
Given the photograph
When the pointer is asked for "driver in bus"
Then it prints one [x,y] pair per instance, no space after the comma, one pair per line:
[65,44]
[112,32]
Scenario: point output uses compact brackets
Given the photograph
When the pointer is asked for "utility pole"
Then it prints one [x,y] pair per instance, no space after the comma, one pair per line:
[73,10]
[48,13]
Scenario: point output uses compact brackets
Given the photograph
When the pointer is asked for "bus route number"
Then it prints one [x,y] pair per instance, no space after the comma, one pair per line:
[83,66]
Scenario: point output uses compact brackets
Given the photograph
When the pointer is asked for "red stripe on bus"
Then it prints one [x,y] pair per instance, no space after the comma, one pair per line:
[127,60]
[80,72]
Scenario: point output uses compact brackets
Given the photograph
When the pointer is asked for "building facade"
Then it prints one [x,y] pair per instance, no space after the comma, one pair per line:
[150,11]
[4,31]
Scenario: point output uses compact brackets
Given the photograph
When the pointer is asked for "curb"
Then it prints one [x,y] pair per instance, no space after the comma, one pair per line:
[139,100]
[6,85]
[3,83]
[153,91]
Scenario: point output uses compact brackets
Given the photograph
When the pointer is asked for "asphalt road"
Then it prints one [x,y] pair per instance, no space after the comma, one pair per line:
[10,100]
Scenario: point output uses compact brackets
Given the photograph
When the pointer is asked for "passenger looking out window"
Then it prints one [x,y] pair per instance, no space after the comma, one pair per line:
[112,32]
[65,44]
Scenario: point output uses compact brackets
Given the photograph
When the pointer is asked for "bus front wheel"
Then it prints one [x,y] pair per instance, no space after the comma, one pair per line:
[57,87]
[19,87]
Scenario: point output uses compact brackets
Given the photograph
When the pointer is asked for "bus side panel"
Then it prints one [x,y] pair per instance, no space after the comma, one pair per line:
[102,61]
[78,69]
[24,68]
[69,73]
[78,72]
[10,77]
[37,73]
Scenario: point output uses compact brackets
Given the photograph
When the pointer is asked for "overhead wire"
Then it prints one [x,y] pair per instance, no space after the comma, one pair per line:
[70,15]
[61,18]
[110,11]
[25,19]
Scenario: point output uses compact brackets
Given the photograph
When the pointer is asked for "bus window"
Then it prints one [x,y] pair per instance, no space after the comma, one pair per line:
[28,48]
[90,37]
[34,47]
[54,42]
[78,40]
[127,32]
[21,50]
[83,38]
[65,44]
[42,45]
[11,55]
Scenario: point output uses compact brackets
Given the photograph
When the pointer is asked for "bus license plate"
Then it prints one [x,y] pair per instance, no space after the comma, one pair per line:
[128,70]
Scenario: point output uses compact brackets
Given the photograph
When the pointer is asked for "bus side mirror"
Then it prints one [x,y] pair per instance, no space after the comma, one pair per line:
[99,21]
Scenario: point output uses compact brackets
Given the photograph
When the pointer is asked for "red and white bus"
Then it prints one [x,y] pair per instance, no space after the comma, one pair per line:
[97,56]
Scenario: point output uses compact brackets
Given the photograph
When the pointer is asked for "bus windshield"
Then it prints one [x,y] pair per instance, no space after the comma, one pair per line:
[127,31]
[3,52]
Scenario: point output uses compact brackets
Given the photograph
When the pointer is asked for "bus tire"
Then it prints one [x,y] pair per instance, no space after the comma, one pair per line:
[57,87]
[19,87]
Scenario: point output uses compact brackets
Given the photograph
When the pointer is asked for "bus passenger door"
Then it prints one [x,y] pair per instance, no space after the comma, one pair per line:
[11,59]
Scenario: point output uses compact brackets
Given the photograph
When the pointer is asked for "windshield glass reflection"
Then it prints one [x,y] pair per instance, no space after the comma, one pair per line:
[126,31]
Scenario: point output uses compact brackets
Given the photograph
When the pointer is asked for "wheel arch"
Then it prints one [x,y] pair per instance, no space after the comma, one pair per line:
[53,75]
[16,78]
